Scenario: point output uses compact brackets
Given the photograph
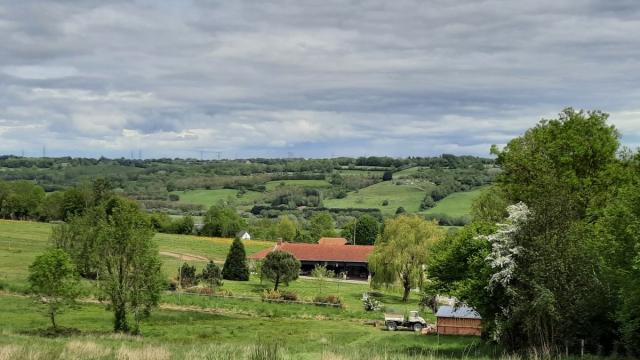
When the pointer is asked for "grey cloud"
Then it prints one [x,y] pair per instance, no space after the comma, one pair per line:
[347,77]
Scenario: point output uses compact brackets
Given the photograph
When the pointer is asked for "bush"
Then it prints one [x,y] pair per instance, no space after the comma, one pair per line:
[212,275]
[371,304]
[385,202]
[326,300]
[187,275]
[289,296]
[271,295]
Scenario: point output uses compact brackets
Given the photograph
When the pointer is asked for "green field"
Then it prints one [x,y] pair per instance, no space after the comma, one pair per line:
[365,173]
[192,326]
[184,334]
[408,196]
[272,185]
[21,241]
[207,198]
[457,204]
[407,172]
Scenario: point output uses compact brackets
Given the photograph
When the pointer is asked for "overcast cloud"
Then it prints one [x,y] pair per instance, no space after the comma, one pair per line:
[310,78]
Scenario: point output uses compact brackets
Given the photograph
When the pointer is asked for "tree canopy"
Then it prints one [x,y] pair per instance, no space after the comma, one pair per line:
[54,282]
[280,267]
[403,250]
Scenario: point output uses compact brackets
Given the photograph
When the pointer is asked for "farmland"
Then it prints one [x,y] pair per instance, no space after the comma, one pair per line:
[457,204]
[211,197]
[188,323]
[408,196]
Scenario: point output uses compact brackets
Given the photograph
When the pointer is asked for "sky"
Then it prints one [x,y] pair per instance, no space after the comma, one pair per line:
[241,79]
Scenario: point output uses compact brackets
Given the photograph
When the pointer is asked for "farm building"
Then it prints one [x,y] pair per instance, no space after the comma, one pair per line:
[334,253]
[243,235]
[461,320]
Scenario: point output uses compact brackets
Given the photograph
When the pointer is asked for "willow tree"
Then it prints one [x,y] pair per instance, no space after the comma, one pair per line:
[402,252]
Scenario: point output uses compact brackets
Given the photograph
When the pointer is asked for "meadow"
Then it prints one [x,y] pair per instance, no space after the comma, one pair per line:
[406,195]
[207,198]
[319,184]
[193,326]
[457,204]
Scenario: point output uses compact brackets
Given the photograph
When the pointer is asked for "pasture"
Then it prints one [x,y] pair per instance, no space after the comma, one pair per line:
[193,326]
[408,196]
[21,242]
[182,333]
[319,184]
[457,204]
[207,198]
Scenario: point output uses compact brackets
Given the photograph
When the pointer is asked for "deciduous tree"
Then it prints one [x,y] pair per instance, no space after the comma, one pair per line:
[129,273]
[54,282]
[402,252]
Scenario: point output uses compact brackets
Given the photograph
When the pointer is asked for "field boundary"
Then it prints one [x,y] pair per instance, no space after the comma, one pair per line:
[254,298]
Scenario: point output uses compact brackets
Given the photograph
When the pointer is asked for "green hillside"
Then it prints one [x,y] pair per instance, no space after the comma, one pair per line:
[457,204]
[207,198]
[407,195]
[272,185]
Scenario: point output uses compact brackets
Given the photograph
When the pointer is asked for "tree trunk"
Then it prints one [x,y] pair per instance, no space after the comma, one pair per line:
[120,321]
[52,316]
[277,282]
[407,288]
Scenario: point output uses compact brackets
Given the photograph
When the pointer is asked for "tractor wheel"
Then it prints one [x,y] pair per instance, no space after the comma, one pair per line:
[391,325]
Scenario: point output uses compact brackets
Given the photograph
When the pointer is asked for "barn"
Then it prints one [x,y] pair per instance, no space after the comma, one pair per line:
[461,320]
[334,253]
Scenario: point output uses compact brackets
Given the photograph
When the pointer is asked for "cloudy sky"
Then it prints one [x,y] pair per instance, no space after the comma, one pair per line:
[307,78]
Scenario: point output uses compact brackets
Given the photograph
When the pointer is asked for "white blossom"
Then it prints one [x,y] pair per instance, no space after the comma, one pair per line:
[503,248]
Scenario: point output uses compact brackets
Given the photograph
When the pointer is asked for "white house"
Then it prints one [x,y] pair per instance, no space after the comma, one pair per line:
[243,235]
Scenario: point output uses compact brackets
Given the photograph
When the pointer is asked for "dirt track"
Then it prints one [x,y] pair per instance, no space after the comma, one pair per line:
[182,256]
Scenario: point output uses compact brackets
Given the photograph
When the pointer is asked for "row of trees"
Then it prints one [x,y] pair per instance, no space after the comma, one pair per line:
[552,257]
[26,200]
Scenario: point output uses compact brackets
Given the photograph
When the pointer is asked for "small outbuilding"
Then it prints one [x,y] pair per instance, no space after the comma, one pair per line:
[243,235]
[460,320]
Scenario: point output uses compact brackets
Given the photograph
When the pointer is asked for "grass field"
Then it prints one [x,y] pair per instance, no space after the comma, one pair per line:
[190,326]
[272,185]
[365,173]
[180,334]
[407,196]
[21,242]
[207,198]
[406,172]
[457,204]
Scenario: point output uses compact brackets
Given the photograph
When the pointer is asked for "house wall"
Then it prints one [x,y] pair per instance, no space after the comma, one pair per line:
[455,326]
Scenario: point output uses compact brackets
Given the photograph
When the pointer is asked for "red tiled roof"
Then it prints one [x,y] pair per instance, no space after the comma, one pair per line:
[319,252]
[332,241]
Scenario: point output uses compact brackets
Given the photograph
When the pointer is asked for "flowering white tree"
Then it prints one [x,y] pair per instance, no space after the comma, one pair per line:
[503,247]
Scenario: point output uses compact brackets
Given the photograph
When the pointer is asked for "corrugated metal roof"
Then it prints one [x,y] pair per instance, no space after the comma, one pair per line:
[461,312]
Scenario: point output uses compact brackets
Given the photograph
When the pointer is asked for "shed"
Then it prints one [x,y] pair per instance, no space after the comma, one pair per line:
[460,320]
[243,235]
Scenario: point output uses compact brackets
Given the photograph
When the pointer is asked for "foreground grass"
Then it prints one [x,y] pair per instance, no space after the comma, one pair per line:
[185,334]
